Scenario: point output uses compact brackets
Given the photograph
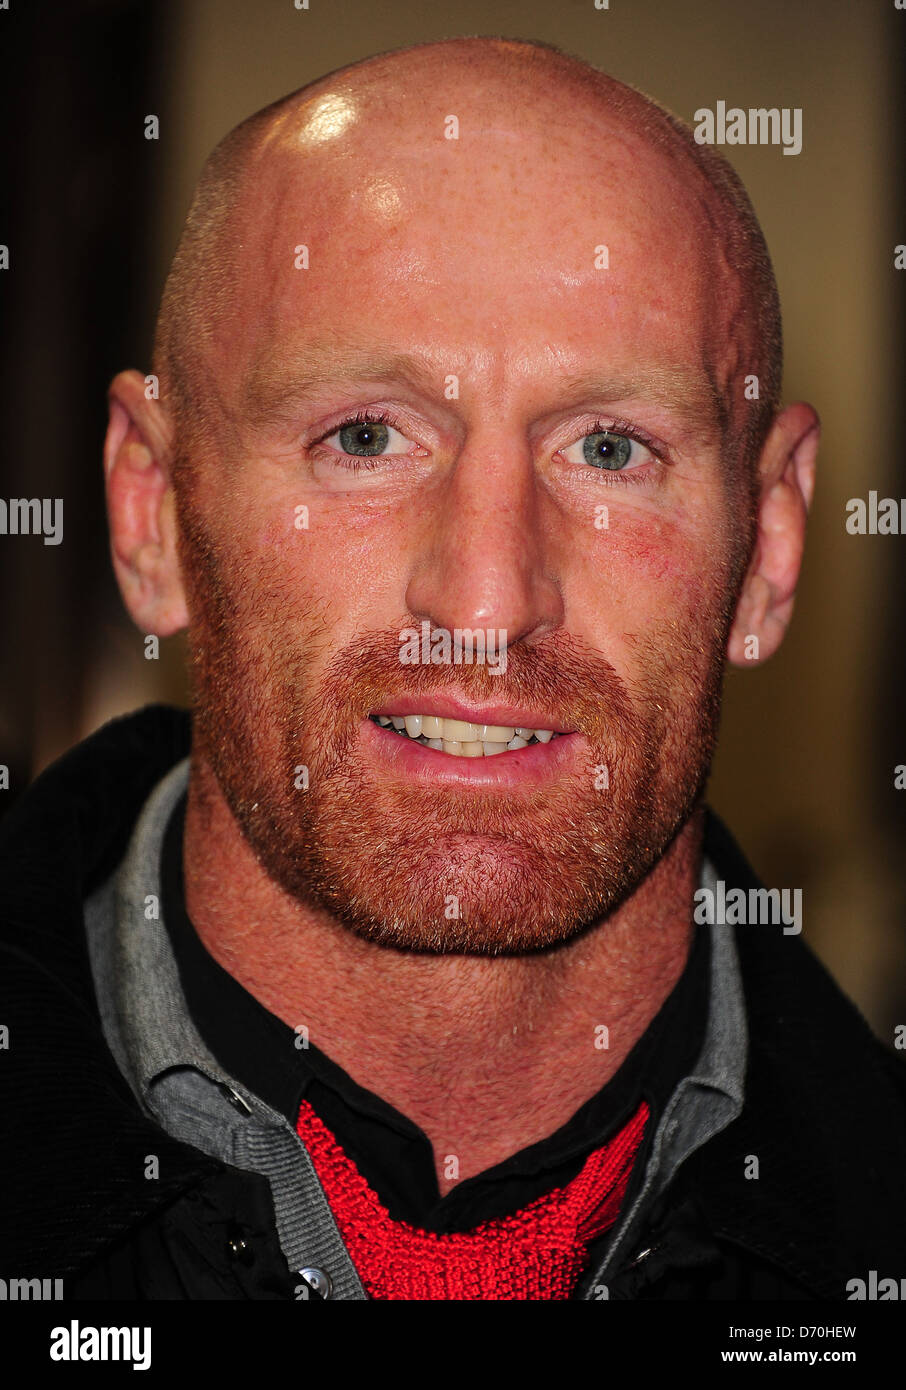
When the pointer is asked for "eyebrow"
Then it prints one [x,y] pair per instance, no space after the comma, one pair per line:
[273,388]
[685,392]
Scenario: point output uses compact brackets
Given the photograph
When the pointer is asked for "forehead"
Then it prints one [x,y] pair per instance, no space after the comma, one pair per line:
[559,244]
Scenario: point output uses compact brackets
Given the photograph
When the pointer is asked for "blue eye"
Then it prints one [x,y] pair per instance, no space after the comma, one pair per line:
[602,449]
[368,436]
[364,438]
[608,450]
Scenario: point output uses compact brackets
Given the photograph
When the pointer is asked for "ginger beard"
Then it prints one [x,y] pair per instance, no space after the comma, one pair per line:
[388,859]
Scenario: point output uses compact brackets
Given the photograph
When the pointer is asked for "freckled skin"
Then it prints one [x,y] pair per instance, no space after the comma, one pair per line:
[487,302]
[477,256]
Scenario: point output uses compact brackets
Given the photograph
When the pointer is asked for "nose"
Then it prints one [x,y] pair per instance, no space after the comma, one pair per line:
[483,551]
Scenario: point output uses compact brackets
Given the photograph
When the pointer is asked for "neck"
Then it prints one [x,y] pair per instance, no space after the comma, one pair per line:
[486,1055]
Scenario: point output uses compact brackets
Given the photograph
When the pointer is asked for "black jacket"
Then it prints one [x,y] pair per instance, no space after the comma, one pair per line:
[824,1113]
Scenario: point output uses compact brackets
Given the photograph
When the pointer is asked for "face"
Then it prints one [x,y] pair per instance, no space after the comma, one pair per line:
[462,415]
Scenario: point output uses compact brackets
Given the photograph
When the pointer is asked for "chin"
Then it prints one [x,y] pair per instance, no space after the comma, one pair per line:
[471,896]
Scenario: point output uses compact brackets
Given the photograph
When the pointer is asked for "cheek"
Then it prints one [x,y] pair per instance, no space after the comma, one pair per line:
[651,595]
[646,563]
[657,554]
[326,534]
[312,572]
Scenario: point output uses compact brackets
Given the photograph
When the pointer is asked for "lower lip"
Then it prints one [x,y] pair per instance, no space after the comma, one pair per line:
[533,765]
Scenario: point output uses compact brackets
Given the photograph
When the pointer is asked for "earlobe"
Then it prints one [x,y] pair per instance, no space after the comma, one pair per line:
[787,473]
[137,466]
[744,646]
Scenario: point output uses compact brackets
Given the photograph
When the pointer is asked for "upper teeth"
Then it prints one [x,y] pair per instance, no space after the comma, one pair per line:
[459,737]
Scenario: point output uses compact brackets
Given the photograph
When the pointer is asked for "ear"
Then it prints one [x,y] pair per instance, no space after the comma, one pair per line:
[786,472]
[138,461]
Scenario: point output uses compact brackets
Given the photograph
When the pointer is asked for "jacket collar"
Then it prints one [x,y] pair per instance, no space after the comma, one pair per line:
[151,1034]
[824,1117]
[174,1076]
[80,1140]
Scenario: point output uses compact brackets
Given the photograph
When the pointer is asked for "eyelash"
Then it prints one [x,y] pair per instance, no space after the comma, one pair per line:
[376,416]
[623,478]
[361,417]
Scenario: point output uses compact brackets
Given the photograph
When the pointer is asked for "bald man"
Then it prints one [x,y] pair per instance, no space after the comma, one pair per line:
[414,966]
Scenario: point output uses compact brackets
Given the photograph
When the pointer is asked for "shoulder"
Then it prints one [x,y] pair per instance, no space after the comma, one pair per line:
[810,1175]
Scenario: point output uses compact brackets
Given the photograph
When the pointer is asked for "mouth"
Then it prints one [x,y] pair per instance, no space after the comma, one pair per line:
[460,738]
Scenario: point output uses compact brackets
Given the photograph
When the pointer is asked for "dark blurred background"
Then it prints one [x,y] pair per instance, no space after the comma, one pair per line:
[92,211]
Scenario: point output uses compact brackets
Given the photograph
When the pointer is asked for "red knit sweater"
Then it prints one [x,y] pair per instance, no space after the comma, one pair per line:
[535,1253]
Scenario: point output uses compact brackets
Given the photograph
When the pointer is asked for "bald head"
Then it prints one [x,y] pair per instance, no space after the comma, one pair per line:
[368,148]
